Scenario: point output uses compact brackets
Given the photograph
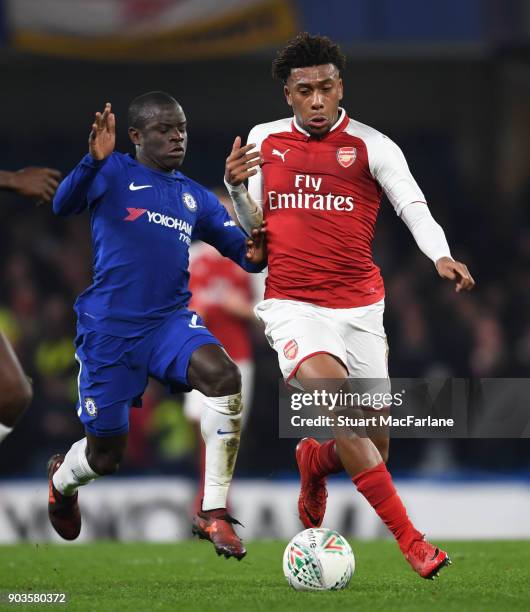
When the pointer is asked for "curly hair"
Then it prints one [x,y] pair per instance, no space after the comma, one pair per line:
[306,50]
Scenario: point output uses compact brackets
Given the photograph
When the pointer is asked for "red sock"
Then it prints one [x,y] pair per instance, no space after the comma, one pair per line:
[376,485]
[326,460]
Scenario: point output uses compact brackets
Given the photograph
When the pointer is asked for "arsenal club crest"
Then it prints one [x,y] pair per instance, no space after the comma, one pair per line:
[346,156]
[290,350]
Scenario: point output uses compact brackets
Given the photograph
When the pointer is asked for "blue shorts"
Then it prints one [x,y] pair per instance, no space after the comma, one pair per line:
[114,371]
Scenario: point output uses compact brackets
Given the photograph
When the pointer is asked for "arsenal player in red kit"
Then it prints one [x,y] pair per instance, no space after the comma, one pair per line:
[316,179]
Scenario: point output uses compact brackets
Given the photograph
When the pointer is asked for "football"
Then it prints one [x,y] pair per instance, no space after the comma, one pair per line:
[318,560]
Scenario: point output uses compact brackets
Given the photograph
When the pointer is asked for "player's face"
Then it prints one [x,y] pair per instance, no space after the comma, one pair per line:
[161,143]
[314,93]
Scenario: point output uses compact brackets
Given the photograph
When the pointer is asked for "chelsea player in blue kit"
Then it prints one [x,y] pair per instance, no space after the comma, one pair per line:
[133,321]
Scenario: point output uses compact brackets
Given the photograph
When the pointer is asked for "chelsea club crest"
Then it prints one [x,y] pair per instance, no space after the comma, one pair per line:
[189,202]
[90,407]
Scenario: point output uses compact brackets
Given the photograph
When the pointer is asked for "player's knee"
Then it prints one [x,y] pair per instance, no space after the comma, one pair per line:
[231,379]
[105,463]
[23,395]
[221,378]
[383,448]
[16,397]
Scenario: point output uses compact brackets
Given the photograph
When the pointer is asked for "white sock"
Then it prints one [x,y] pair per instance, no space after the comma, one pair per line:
[74,471]
[4,431]
[219,415]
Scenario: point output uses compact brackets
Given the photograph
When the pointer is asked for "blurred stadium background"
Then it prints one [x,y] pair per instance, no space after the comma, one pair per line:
[448,80]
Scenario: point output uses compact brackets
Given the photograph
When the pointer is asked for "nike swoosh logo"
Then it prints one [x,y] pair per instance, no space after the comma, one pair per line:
[134,187]
[220,432]
[194,324]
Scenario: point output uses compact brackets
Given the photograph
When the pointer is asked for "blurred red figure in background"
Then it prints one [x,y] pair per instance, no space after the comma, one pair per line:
[224,297]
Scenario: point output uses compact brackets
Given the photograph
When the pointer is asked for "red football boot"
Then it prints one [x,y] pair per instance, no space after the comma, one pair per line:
[427,560]
[216,526]
[63,510]
[313,492]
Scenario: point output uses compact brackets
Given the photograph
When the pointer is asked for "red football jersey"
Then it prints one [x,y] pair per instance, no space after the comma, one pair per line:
[213,279]
[320,198]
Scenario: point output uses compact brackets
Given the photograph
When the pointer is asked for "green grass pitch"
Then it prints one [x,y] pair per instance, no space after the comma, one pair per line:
[189,576]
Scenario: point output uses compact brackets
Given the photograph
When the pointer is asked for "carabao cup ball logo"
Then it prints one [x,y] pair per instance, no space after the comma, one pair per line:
[90,407]
[189,202]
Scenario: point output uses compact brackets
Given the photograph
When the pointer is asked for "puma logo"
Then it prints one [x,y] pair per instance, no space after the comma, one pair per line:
[280,154]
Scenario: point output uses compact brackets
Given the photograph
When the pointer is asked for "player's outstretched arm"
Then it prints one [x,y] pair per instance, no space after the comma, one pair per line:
[36,183]
[391,171]
[216,227]
[73,193]
[241,164]
[430,238]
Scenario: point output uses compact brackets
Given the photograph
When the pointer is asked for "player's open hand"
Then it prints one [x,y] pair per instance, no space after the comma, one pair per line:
[241,163]
[102,139]
[257,245]
[37,183]
[457,271]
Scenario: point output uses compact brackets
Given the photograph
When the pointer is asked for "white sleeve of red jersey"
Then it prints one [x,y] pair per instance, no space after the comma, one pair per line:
[255,183]
[390,169]
[428,234]
[248,204]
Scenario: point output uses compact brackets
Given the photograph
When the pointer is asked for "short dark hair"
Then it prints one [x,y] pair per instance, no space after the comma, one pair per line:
[141,108]
[306,50]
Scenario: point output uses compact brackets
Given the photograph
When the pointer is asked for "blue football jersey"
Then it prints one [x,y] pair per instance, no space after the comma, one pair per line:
[142,222]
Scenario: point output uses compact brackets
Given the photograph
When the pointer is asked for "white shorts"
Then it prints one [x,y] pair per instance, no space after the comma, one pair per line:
[194,400]
[299,330]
